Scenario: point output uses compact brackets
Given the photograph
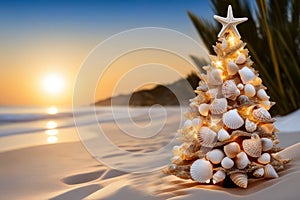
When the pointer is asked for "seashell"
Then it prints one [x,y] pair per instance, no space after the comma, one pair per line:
[267,144]
[240,59]
[176,160]
[202,88]
[223,135]
[176,150]
[227,163]
[240,179]
[261,94]
[270,172]
[243,99]
[249,90]
[207,137]
[250,126]
[232,149]
[253,146]
[219,176]
[259,172]
[213,92]
[240,86]
[215,156]
[187,122]
[224,44]
[201,170]
[256,81]
[266,104]
[229,90]
[246,75]
[232,68]
[232,119]
[215,77]
[203,109]
[218,106]
[268,128]
[261,115]
[241,160]
[196,122]
[265,158]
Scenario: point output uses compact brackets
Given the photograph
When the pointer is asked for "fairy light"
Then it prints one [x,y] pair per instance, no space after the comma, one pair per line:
[219,64]
[231,40]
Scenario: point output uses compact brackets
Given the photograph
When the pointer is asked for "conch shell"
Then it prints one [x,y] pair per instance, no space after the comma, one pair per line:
[259,172]
[219,176]
[262,95]
[270,172]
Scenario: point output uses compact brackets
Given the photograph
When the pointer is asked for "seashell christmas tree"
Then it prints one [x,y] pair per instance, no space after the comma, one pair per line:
[229,131]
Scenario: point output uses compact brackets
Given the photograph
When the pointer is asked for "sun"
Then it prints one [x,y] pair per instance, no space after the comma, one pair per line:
[53,83]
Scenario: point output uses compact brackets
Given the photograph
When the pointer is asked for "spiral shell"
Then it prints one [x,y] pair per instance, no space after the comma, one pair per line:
[267,144]
[246,75]
[253,146]
[261,94]
[243,99]
[232,68]
[215,77]
[232,119]
[215,156]
[270,172]
[249,90]
[241,160]
[229,90]
[232,149]
[219,176]
[207,137]
[259,172]
[223,135]
[261,115]
[203,109]
[218,106]
[227,163]
[240,179]
[265,158]
[250,126]
[201,170]
[240,59]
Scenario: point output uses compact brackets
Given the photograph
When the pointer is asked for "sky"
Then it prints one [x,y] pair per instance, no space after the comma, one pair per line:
[45,44]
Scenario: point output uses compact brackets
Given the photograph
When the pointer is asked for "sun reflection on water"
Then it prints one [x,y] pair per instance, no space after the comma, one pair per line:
[51,126]
[52,110]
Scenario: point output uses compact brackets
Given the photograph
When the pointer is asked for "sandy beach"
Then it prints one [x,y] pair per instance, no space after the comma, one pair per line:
[66,170]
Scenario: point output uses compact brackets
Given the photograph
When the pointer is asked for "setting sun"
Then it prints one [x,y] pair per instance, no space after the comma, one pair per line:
[53,83]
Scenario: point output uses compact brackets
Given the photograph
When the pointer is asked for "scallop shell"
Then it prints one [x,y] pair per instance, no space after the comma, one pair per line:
[203,109]
[219,176]
[270,172]
[246,75]
[223,135]
[249,90]
[267,144]
[259,172]
[232,119]
[267,128]
[232,68]
[250,126]
[243,99]
[240,179]
[261,115]
[241,160]
[215,156]
[232,149]
[240,59]
[261,93]
[207,137]
[227,163]
[240,86]
[229,90]
[265,158]
[253,146]
[218,106]
[215,77]
[201,170]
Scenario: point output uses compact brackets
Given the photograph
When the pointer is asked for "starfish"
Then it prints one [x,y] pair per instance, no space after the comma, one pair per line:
[229,23]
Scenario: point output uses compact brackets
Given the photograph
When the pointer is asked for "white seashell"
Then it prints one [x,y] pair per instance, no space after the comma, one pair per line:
[213,92]
[215,156]
[227,163]
[218,106]
[223,135]
[232,149]
[267,144]
[268,128]
[250,126]
[215,77]
[202,86]
[259,172]
[196,122]
[261,93]
[224,44]
[265,158]
[249,90]
[232,68]
[219,176]
[253,146]
[240,86]
[229,90]
[232,119]
[207,137]
[241,160]
[187,122]
[203,109]
[261,114]
[240,179]
[246,75]
[241,59]
[270,172]
[266,104]
[243,99]
[201,170]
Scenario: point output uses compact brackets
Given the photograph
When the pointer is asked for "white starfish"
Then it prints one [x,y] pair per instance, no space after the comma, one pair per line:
[229,22]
